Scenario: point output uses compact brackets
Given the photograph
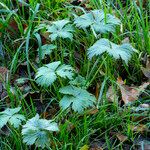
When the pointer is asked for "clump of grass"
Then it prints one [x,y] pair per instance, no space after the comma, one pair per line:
[24,29]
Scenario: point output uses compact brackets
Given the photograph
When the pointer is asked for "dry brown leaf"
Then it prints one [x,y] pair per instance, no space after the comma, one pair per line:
[13,28]
[126,40]
[139,128]
[111,95]
[97,91]
[97,145]
[146,70]
[70,126]
[120,81]
[93,111]
[121,137]
[3,92]
[4,72]
[130,94]
[137,118]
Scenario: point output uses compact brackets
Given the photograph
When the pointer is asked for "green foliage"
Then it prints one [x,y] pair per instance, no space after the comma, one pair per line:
[47,74]
[61,29]
[79,81]
[97,20]
[36,131]
[47,49]
[123,51]
[12,117]
[77,98]
[21,80]
[24,29]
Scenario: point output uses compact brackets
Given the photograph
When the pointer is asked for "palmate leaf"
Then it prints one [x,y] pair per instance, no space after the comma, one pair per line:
[36,131]
[47,74]
[79,81]
[47,49]
[97,20]
[12,117]
[77,98]
[61,29]
[123,51]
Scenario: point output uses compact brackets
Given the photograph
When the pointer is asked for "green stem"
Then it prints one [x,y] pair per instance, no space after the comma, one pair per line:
[92,69]
[28,39]
[88,83]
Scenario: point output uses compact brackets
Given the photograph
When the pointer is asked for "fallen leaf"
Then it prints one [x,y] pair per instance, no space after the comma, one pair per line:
[111,95]
[139,128]
[120,81]
[97,144]
[121,137]
[137,118]
[3,92]
[97,91]
[12,28]
[141,108]
[126,40]
[145,105]
[45,36]
[96,148]
[93,111]
[70,126]
[146,70]
[4,73]
[130,94]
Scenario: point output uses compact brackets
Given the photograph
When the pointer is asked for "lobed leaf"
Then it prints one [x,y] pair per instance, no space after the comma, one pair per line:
[61,29]
[123,51]
[98,20]
[12,117]
[77,98]
[47,74]
[47,49]
[36,131]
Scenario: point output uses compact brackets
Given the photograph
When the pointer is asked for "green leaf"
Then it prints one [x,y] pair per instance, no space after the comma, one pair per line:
[21,80]
[97,20]
[77,98]
[47,49]
[3,120]
[79,81]
[10,116]
[36,131]
[47,74]
[16,120]
[64,71]
[123,51]
[61,29]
